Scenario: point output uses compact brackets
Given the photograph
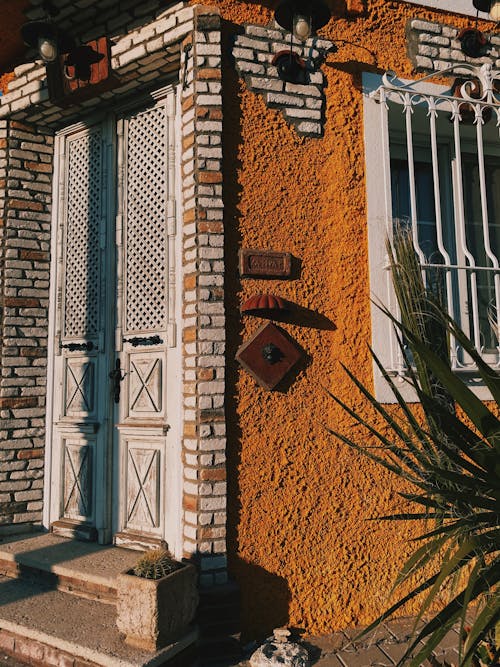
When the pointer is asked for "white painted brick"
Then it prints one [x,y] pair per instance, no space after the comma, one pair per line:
[309,128]
[266,84]
[243,54]
[426,26]
[212,504]
[132,55]
[255,44]
[190,532]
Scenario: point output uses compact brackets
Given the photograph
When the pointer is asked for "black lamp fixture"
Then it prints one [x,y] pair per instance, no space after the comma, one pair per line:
[491,7]
[45,36]
[301,18]
[472,40]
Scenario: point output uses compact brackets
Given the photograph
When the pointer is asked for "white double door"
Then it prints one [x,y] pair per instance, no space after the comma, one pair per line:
[113,381]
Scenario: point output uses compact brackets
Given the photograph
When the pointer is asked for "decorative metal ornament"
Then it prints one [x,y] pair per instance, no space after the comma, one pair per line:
[264,305]
[81,60]
[469,113]
[269,355]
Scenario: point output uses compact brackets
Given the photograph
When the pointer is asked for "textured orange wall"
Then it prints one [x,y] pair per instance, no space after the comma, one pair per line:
[4,81]
[301,546]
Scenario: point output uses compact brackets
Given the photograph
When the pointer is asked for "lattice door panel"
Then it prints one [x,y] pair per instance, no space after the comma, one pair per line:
[143,498]
[146,282]
[83,220]
[78,474]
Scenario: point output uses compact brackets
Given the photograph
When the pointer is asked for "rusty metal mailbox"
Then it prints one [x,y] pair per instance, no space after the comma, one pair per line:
[269,355]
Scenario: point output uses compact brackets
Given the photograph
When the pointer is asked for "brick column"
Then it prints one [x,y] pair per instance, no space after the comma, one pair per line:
[204,497]
[26,155]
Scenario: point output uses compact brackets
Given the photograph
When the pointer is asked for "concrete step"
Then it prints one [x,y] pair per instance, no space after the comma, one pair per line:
[84,569]
[45,626]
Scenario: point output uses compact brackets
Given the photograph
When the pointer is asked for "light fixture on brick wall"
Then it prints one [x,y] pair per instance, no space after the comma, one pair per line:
[45,36]
[473,41]
[302,18]
[491,7]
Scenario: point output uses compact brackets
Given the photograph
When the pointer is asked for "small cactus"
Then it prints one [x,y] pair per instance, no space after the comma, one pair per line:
[155,564]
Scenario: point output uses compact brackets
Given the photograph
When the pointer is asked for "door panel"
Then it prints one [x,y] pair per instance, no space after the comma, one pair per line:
[78,499]
[142,333]
[81,395]
[144,484]
[80,387]
[145,385]
[114,327]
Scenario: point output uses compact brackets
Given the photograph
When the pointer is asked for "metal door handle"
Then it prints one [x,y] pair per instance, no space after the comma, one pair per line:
[117,375]
[88,346]
[150,340]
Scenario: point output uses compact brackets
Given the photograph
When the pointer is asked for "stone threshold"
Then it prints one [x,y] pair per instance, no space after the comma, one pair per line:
[57,605]
[80,568]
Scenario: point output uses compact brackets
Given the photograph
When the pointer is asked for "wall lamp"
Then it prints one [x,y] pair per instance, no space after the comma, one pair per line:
[301,18]
[50,42]
[45,36]
[491,7]
[472,40]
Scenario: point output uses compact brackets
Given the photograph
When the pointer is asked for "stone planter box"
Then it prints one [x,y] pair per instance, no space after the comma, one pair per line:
[154,613]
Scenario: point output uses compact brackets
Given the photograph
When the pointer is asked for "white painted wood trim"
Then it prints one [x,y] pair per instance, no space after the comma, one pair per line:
[48,512]
[453,6]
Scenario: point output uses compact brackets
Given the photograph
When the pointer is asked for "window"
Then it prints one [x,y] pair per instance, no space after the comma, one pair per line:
[433,163]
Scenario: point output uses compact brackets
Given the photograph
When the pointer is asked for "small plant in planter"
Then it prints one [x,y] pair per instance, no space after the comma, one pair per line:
[157,600]
[155,564]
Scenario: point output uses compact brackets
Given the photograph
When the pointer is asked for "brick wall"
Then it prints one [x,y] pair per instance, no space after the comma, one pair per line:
[204,497]
[303,106]
[182,40]
[25,200]
[435,46]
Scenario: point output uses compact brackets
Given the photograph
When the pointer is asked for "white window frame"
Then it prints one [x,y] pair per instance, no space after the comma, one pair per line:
[453,6]
[380,225]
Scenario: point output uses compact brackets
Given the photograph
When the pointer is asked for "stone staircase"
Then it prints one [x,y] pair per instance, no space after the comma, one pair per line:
[58,606]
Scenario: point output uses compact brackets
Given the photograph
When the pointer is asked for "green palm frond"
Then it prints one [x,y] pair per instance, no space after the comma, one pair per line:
[453,467]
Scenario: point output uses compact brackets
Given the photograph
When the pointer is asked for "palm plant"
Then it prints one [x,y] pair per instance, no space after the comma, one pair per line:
[452,466]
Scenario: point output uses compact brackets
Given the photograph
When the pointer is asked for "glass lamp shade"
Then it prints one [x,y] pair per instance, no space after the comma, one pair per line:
[289,12]
[46,38]
[47,48]
[302,27]
[495,10]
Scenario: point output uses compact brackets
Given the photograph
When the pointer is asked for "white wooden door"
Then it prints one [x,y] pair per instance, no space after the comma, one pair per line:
[114,432]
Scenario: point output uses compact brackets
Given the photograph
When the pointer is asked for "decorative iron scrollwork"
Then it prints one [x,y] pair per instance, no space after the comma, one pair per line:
[88,346]
[138,342]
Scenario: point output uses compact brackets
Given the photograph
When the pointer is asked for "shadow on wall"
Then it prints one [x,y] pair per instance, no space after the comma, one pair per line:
[265,599]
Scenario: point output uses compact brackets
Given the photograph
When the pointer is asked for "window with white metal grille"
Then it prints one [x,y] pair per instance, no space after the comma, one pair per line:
[433,164]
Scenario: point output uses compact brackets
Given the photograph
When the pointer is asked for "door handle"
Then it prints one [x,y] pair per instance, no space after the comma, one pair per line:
[88,346]
[150,340]
[117,375]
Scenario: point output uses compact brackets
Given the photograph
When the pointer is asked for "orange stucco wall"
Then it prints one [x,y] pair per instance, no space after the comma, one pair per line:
[4,81]
[301,545]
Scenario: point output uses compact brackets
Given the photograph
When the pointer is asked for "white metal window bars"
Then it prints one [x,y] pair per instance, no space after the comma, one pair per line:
[468,269]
